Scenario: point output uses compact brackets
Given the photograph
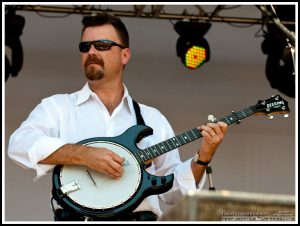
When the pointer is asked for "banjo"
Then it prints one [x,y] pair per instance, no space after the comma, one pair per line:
[97,196]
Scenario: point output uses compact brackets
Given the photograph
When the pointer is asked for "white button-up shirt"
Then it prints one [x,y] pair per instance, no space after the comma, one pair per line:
[70,118]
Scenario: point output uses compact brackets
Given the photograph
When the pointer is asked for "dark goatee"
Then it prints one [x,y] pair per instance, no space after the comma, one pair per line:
[94,72]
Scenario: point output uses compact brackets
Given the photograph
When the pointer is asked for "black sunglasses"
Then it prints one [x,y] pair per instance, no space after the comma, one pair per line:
[84,47]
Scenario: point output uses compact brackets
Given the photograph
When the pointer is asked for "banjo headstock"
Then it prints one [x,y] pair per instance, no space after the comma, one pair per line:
[274,105]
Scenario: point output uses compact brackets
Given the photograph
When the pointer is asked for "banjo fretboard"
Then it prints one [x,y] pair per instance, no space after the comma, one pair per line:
[186,137]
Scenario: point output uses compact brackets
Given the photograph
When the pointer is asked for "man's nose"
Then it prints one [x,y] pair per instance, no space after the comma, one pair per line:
[92,50]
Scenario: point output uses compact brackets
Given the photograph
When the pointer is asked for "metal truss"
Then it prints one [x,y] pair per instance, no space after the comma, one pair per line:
[142,11]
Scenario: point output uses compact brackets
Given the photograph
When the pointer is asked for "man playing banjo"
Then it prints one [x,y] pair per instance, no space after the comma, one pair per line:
[104,108]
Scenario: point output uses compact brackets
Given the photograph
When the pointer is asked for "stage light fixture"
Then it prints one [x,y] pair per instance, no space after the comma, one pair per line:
[192,47]
[280,70]
[14,25]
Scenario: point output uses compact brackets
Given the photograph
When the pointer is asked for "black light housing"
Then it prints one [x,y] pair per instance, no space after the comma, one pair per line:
[192,48]
[280,70]
[14,25]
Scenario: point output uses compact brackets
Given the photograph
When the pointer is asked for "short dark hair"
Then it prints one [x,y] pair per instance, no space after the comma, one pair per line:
[102,19]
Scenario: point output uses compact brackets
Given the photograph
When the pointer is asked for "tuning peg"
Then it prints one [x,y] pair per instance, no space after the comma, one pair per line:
[271,117]
[212,118]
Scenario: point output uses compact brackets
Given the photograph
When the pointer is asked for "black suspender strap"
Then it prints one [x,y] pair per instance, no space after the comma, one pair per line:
[139,117]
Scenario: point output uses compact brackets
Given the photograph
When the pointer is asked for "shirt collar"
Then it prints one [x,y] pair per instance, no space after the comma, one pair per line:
[85,93]
[128,100]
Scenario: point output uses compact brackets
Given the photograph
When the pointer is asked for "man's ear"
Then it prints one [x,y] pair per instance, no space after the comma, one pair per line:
[126,56]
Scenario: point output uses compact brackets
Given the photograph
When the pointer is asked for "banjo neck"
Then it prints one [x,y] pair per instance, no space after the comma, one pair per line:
[275,104]
[146,155]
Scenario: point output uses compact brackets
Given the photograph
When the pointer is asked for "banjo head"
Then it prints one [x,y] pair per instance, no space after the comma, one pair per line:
[89,189]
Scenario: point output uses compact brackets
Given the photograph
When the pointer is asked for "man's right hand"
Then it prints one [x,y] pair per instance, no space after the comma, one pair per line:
[104,161]
[101,160]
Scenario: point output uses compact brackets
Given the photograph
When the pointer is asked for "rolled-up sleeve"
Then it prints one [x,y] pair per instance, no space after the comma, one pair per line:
[184,181]
[36,138]
[185,177]
[48,145]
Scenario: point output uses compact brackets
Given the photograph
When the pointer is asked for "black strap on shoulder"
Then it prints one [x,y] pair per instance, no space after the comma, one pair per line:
[139,120]
[139,117]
